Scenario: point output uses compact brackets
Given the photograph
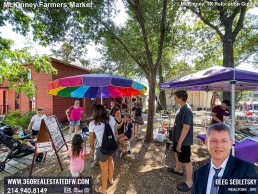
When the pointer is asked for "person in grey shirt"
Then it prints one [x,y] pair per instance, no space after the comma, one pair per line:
[182,140]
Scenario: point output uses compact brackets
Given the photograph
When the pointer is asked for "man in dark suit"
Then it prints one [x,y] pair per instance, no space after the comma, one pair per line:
[223,164]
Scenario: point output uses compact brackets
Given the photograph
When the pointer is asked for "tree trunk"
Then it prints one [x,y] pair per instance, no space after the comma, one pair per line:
[228,52]
[151,108]
[228,60]
[162,94]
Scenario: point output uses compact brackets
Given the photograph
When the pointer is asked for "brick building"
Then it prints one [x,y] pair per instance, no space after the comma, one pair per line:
[10,100]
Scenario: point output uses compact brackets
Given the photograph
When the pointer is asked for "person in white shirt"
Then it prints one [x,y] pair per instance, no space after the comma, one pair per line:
[36,121]
[223,165]
[96,131]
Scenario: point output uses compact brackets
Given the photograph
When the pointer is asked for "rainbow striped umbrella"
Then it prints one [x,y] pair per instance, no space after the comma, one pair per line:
[95,85]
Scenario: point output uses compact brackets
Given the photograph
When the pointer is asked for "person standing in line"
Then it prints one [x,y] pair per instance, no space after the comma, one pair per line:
[182,140]
[137,116]
[35,122]
[93,104]
[96,129]
[219,111]
[132,107]
[112,106]
[219,143]
[74,115]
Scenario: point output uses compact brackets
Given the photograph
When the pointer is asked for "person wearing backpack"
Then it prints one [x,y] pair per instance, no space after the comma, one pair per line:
[102,131]
[137,116]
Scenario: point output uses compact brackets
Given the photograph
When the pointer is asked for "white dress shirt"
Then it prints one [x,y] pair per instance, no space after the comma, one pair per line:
[212,173]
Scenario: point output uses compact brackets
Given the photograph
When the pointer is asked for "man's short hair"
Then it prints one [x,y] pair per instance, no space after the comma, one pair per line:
[181,94]
[219,127]
[77,101]
[40,108]
[227,102]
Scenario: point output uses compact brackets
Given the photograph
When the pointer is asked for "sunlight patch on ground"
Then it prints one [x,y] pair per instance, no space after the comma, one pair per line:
[149,168]
[131,190]
[113,188]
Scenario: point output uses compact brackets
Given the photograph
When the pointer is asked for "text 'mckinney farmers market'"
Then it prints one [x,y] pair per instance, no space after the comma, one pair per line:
[47,5]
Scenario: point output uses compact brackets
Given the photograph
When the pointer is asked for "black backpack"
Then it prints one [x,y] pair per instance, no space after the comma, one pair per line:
[109,145]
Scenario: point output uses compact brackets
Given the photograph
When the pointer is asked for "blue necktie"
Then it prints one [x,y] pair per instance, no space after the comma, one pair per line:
[214,188]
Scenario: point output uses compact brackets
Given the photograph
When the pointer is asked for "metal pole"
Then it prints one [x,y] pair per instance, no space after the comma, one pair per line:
[206,115]
[252,102]
[233,86]
[101,97]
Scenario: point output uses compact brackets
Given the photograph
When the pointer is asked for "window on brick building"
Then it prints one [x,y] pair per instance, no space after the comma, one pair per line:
[17,101]
[33,104]
[29,74]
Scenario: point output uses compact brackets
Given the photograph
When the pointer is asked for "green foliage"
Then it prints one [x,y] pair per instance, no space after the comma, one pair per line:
[121,61]
[243,96]
[246,45]
[219,28]
[11,67]
[208,45]
[65,52]
[18,119]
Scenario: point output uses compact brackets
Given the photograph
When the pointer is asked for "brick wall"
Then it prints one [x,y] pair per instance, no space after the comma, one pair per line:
[42,98]
[60,104]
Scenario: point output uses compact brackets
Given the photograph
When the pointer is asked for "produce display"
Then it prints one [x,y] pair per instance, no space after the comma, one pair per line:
[239,137]
[248,132]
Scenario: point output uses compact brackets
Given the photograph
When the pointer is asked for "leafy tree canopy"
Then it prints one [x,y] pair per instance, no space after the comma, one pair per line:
[11,61]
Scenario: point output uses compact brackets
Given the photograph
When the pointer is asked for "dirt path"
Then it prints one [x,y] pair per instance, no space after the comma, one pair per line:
[144,171]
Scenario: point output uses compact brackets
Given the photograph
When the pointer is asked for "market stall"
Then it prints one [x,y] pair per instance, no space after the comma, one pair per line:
[217,78]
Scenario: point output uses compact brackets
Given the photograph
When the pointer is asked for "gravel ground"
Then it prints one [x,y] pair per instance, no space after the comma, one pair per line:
[144,171]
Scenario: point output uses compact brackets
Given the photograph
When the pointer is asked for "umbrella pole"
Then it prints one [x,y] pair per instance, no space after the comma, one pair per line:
[233,86]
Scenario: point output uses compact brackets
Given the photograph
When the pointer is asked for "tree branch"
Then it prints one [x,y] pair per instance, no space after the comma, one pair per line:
[223,17]
[134,58]
[139,17]
[162,35]
[199,14]
[124,46]
[236,11]
[239,23]
[131,3]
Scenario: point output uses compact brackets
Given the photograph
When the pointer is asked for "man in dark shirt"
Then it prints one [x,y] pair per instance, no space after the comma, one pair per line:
[182,140]
[219,111]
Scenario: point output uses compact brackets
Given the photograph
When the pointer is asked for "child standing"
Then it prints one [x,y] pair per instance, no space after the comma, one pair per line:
[128,134]
[77,155]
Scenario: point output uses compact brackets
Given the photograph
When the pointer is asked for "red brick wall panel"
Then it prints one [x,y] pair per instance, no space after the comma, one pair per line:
[60,104]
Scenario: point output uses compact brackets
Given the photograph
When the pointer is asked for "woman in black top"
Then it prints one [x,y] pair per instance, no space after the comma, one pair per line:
[119,128]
